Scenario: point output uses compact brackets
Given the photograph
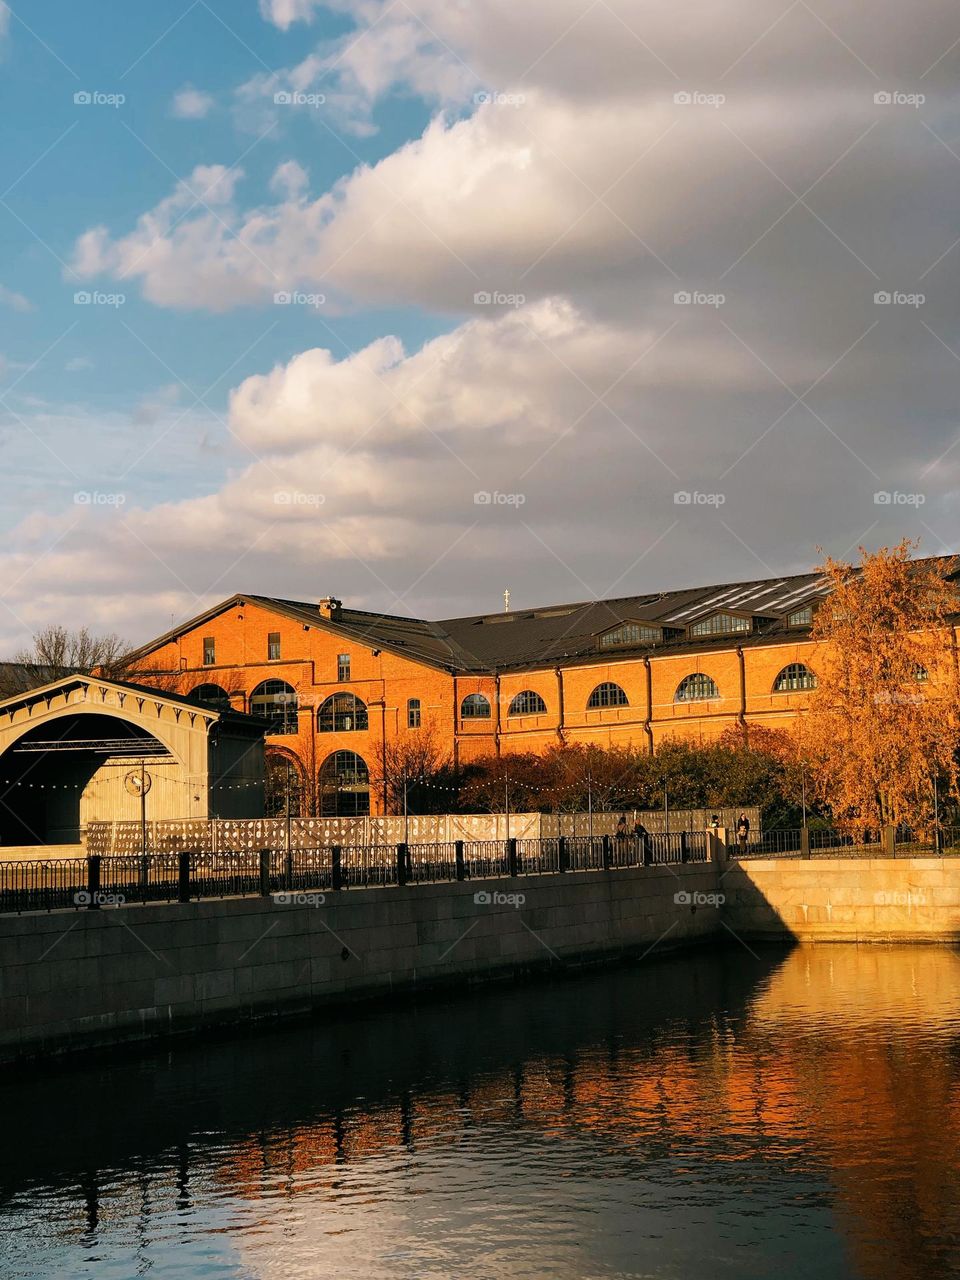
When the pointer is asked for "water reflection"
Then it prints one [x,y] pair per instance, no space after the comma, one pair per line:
[788,1114]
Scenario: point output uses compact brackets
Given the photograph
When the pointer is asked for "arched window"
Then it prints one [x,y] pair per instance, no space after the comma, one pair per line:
[211,696]
[276,701]
[696,688]
[607,694]
[919,672]
[794,678]
[475,707]
[527,703]
[284,792]
[342,713]
[344,786]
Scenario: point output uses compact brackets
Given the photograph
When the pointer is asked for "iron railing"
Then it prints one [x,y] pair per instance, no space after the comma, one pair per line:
[109,881]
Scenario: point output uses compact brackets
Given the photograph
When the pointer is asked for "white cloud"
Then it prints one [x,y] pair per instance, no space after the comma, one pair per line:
[16,301]
[289,179]
[584,188]
[283,13]
[192,104]
[78,364]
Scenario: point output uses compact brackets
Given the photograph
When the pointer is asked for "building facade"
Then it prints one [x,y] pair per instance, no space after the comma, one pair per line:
[340,686]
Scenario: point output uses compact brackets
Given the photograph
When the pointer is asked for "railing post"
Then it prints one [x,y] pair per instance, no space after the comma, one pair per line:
[264,873]
[93,881]
[605,845]
[458,859]
[563,857]
[684,847]
[401,863]
[717,845]
[805,842]
[288,869]
[889,842]
[336,867]
[512,863]
[183,875]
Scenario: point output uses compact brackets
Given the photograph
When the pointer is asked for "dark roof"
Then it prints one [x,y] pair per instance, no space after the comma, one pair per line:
[559,634]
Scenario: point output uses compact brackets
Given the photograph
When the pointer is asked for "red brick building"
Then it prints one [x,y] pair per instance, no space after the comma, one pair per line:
[340,684]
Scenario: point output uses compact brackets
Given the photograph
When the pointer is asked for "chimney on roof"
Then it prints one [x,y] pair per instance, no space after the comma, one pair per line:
[329,607]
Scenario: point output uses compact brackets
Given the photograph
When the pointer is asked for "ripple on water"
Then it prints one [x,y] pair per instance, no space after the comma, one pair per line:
[791,1115]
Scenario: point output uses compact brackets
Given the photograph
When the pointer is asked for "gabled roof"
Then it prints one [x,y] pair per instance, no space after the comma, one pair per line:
[41,693]
[557,634]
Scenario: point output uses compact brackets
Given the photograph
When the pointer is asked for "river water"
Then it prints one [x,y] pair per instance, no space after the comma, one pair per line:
[720,1114]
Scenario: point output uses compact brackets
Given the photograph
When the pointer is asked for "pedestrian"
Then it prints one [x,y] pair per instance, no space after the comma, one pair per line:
[743,830]
[622,827]
[642,837]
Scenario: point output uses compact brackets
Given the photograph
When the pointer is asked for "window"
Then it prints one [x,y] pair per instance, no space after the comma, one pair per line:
[631,633]
[342,713]
[696,688]
[211,696]
[209,651]
[344,786]
[607,695]
[276,701]
[475,707]
[920,673]
[343,666]
[801,617]
[273,646]
[527,703]
[721,624]
[794,678]
[413,713]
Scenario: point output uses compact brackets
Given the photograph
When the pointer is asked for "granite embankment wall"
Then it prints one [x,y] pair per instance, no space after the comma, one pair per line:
[71,980]
[843,899]
[83,979]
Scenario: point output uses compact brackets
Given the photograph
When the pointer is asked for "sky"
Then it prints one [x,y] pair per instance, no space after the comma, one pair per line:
[414,301]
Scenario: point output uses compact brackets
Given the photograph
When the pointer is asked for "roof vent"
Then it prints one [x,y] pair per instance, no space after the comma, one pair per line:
[329,607]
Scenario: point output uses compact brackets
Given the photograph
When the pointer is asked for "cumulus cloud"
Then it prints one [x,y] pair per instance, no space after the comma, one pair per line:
[16,301]
[658,236]
[191,104]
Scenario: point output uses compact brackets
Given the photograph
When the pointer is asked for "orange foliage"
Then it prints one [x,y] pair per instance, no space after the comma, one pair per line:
[883,720]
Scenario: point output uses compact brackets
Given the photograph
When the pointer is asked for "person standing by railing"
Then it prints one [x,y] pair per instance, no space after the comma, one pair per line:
[743,831]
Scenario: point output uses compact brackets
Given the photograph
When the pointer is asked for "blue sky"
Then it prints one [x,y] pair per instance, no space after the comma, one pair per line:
[677,291]
[70,167]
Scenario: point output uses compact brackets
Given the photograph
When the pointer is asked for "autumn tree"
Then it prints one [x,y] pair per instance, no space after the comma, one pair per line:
[415,771]
[488,783]
[883,721]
